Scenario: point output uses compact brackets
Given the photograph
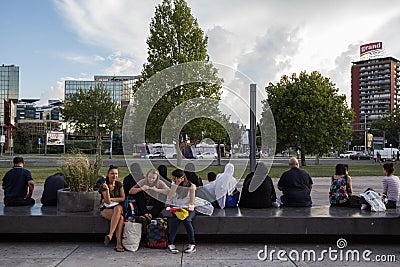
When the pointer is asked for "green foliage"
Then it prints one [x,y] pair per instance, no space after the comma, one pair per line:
[309,114]
[176,38]
[92,112]
[390,125]
[22,142]
[79,173]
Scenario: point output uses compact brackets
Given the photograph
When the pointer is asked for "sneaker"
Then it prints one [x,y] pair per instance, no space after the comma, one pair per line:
[173,249]
[190,249]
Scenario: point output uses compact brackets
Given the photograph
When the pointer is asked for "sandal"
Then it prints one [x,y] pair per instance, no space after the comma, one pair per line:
[148,218]
[119,249]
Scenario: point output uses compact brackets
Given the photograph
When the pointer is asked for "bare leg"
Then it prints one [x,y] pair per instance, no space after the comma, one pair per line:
[115,219]
[118,233]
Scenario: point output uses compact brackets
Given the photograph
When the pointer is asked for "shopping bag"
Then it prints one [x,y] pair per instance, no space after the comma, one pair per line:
[132,235]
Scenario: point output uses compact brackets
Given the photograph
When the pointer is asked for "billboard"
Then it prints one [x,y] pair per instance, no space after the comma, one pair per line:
[366,48]
[54,138]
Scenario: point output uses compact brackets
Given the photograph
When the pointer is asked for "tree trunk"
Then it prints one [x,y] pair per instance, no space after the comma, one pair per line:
[303,158]
[317,159]
[219,153]
[98,150]
[179,157]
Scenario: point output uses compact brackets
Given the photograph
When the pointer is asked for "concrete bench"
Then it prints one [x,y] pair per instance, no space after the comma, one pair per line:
[316,220]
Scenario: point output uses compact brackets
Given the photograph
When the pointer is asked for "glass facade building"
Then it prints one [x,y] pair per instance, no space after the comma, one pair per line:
[120,87]
[9,91]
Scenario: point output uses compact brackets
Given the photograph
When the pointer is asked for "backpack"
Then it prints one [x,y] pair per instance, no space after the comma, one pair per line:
[338,193]
[156,233]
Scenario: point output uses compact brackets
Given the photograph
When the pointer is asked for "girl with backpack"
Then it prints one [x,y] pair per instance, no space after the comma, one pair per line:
[341,187]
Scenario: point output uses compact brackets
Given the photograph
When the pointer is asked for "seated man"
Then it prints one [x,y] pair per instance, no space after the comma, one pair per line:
[51,186]
[18,185]
[296,185]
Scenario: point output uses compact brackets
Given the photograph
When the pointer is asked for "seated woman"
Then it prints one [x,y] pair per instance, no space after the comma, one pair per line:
[192,176]
[182,194]
[264,194]
[150,194]
[341,187]
[391,185]
[113,191]
[225,188]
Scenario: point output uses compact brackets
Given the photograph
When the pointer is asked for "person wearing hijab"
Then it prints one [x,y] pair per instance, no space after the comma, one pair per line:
[225,185]
[264,194]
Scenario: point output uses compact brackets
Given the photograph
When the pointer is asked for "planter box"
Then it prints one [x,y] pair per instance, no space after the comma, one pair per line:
[77,201]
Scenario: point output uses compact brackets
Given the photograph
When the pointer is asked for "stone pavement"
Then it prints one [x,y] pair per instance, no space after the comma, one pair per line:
[208,254]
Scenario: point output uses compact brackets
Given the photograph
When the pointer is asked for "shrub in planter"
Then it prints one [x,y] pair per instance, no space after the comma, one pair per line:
[81,175]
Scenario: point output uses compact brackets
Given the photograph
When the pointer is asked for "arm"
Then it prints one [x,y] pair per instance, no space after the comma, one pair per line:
[192,193]
[137,188]
[31,186]
[171,192]
[310,187]
[350,184]
[273,193]
[385,186]
[106,193]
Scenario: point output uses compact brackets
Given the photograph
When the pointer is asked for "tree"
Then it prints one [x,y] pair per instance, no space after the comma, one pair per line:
[389,124]
[176,38]
[22,142]
[309,114]
[93,112]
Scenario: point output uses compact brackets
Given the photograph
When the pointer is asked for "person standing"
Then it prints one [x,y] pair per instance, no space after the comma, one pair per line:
[18,185]
[296,185]
[391,185]
[52,184]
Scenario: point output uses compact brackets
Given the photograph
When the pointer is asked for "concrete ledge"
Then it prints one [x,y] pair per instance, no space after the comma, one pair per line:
[316,220]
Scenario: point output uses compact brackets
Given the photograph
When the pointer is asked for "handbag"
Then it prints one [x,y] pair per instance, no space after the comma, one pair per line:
[232,200]
[203,206]
[132,235]
[374,199]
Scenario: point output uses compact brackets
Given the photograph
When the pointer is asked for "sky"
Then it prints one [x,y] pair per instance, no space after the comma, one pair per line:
[56,40]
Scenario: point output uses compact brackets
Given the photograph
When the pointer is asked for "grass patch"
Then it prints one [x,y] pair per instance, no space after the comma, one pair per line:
[40,173]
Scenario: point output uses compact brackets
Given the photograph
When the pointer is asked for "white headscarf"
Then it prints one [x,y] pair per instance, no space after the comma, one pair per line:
[225,184]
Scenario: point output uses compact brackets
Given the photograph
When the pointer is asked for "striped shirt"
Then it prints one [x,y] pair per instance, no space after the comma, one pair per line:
[391,187]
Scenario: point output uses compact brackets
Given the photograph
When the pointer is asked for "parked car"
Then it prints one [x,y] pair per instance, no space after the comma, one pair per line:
[156,155]
[207,155]
[347,154]
[359,156]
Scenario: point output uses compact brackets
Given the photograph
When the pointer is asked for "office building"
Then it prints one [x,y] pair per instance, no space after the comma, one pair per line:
[9,93]
[120,87]
[375,86]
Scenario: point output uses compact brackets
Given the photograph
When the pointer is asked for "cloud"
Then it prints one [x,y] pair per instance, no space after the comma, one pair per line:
[120,65]
[84,59]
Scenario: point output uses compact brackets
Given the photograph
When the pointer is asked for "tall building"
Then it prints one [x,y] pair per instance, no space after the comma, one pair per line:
[120,87]
[9,92]
[375,88]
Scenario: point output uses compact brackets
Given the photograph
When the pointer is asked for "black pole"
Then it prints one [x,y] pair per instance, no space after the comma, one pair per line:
[252,137]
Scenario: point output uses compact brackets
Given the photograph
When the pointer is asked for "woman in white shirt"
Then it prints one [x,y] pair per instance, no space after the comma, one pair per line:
[391,185]
[181,195]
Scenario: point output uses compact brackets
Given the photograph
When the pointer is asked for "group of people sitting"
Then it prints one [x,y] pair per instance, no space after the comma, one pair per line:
[151,191]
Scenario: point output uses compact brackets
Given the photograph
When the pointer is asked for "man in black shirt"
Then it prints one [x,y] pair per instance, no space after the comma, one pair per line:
[296,185]
[51,185]
[18,185]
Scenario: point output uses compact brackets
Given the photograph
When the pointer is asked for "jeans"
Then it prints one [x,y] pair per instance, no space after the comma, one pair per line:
[18,201]
[187,222]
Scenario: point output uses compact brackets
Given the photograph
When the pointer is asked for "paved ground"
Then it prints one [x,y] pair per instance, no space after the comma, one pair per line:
[208,254]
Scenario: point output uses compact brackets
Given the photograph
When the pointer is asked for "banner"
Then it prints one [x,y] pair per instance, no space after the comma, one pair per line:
[54,138]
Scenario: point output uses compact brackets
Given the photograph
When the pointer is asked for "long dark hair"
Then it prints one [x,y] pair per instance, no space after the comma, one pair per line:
[182,189]
[340,169]
[389,168]
[112,167]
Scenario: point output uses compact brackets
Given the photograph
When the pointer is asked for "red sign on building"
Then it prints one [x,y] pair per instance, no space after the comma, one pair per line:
[370,47]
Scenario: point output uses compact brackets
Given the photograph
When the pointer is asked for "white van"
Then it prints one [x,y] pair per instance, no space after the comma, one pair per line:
[387,154]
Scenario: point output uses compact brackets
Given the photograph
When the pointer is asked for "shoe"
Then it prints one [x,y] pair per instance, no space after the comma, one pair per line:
[119,249]
[190,249]
[141,220]
[107,240]
[173,249]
